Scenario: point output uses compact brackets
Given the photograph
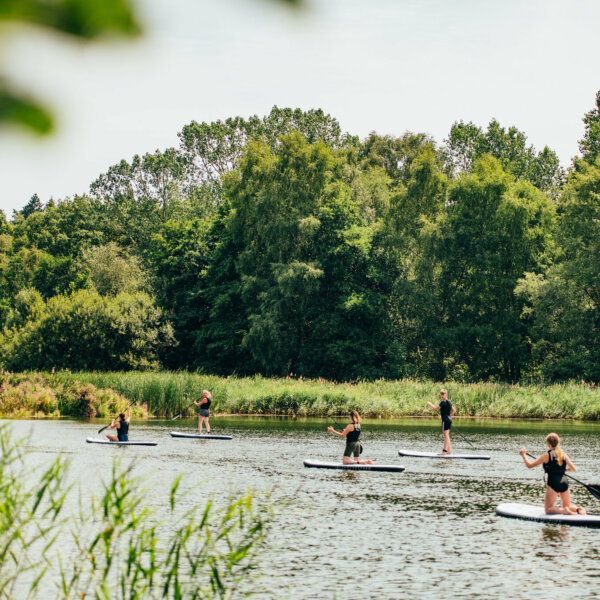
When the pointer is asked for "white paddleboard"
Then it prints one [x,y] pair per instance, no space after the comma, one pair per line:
[444,456]
[196,436]
[535,512]
[97,441]
[317,464]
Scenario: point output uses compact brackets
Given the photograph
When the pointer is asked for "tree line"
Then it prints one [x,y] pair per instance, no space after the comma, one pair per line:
[282,245]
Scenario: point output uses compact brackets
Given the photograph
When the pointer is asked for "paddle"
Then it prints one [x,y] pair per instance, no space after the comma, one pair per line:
[594,490]
[179,414]
[461,435]
[107,426]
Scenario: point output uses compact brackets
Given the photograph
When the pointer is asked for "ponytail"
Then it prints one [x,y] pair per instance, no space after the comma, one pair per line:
[354,416]
[554,441]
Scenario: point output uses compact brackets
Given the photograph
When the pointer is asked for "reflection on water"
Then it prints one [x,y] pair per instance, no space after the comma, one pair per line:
[427,533]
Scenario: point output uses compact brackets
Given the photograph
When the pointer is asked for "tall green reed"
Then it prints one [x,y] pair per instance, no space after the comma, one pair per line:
[116,546]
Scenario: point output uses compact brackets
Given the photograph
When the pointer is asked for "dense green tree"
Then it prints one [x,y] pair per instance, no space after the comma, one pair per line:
[179,258]
[467,142]
[34,205]
[493,231]
[83,331]
[589,146]
[565,303]
[111,270]
[301,271]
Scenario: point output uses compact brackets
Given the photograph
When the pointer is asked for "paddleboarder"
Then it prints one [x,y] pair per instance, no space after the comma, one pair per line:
[446,411]
[203,408]
[352,435]
[121,423]
[555,463]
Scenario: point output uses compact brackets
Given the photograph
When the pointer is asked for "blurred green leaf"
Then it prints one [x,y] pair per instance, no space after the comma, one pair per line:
[19,110]
[80,18]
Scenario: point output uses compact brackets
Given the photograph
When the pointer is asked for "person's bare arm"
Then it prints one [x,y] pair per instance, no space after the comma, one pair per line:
[343,433]
[532,463]
[433,406]
[570,465]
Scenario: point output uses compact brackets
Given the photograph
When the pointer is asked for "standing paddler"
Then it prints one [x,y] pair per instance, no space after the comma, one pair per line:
[446,411]
[352,435]
[203,408]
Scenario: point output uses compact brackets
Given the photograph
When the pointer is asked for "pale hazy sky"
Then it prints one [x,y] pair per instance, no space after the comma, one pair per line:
[385,65]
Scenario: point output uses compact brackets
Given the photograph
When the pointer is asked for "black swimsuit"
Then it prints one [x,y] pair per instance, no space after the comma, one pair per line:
[556,473]
[446,414]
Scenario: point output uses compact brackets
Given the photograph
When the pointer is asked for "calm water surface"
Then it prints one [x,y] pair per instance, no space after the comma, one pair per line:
[428,533]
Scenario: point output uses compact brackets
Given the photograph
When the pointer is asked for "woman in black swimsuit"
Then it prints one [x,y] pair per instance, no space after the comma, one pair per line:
[446,411]
[122,427]
[352,433]
[555,463]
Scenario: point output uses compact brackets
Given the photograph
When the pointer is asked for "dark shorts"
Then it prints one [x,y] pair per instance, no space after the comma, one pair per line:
[123,437]
[446,424]
[559,485]
[203,412]
[352,448]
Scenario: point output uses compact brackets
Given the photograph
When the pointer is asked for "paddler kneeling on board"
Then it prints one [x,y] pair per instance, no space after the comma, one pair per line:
[122,426]
[555,463]
[446,411]
[352,433]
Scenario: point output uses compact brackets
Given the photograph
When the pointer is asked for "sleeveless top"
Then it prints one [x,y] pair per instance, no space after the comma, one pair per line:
[353,436]
[207,404]
[123,427]
[446,410]
[552,468]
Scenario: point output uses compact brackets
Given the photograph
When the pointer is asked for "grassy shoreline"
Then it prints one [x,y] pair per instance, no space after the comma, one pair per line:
[163,394]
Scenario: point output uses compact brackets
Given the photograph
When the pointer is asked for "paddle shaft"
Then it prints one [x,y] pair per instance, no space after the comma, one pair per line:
[179,414]
[462,436]
[594,491]
[107,426]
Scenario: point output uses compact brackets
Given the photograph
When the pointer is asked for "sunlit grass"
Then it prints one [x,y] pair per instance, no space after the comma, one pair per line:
[167,393]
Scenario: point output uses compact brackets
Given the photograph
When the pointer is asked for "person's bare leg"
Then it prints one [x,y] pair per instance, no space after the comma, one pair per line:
[207,425]
[199,425]
[550,501]
[112,438]
[447,447]
[565,499]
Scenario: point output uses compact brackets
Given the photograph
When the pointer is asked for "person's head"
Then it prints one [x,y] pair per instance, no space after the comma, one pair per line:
[354,416]
[122,416]
[206,394]
[444,394]
[553,442]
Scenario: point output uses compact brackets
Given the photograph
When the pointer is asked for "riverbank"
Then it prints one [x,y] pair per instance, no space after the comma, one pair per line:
[167,393]
[40,395]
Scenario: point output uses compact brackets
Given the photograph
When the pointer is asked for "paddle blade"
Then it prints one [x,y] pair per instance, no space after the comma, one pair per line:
[105,427]
[594,489]
[175,417]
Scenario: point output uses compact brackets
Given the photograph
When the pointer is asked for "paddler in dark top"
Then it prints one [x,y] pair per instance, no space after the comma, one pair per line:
[446,411]
[203,408]
[352,433]
[121,423]
[555,463]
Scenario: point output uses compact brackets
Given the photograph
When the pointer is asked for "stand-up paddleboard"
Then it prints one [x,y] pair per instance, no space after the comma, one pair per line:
[317,464]
[444,456]
[196,436]
[108,442]
[535,512]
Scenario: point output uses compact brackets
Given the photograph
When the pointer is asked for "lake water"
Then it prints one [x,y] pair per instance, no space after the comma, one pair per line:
[428,533]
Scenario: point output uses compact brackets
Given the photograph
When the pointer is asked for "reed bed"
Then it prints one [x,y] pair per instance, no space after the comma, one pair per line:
[167,393]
